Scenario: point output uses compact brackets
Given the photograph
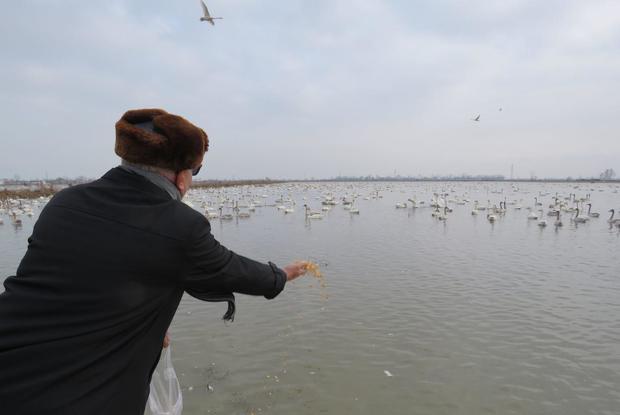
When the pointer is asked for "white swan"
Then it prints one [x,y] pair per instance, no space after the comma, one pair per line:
[312,215]
[611,219]
[206,15]
[580,219]
[543,222]
[592,214]
[414,204]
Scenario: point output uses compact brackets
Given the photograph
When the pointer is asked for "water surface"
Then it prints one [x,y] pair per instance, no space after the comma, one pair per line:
[470,317]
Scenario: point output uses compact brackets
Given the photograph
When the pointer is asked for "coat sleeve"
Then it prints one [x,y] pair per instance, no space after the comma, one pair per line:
[218,270]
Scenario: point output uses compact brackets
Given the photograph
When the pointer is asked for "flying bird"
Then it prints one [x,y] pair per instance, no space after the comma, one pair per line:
[207,16]
[477,118]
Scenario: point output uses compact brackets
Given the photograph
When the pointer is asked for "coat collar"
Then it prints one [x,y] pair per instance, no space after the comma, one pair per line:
[118,174]
[153,177]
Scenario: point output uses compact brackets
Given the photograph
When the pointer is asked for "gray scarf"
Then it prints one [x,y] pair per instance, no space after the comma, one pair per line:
[154,177]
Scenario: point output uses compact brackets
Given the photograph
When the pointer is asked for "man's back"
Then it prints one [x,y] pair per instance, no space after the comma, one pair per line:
[91,294]
[83,320]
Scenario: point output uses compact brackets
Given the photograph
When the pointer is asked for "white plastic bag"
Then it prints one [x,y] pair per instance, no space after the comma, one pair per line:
[165,397]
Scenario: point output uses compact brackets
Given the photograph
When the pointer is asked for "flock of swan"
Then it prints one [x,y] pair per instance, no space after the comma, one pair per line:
[15,209]
[316,200]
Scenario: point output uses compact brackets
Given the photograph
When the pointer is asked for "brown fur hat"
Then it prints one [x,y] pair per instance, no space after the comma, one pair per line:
[155,138]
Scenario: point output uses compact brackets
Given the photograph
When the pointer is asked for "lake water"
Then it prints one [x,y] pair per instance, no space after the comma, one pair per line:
[467,316]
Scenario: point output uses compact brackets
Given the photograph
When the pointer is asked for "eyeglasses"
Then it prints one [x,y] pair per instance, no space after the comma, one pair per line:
[196,170]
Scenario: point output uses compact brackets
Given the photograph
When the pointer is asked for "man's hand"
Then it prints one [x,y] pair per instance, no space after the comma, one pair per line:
[295,270]
[166,340]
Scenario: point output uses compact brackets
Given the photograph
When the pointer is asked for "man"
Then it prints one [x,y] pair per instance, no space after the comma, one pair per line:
[83,320]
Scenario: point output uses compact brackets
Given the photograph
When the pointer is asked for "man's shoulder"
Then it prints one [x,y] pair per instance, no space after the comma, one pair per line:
[143,210]
[71,192]
[190,216]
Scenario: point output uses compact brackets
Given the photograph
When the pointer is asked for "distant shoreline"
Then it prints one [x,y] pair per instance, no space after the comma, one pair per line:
[6,194]
[31,192]
[444,179]
[202,184]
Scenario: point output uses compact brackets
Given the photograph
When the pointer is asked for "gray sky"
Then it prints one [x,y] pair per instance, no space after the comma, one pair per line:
[298,89]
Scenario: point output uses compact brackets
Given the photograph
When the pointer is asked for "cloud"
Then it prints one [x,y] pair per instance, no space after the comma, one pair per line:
[299,88]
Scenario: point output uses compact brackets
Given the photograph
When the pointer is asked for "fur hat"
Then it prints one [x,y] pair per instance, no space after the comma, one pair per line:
[155,138]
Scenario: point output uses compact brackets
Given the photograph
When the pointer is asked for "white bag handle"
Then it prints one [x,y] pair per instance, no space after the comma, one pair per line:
[165,397]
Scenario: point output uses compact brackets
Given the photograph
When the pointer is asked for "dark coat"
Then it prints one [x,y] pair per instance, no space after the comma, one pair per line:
[83,320]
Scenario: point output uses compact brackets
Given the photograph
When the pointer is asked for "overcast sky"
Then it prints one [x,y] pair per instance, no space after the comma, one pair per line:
[317,88]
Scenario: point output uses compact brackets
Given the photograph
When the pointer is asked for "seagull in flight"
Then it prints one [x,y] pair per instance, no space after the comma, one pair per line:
[477,118]
[206,15]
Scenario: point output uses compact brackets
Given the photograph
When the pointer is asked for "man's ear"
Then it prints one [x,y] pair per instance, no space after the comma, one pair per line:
[180,183]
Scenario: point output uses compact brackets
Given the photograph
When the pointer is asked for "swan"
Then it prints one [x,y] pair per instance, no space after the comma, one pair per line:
[532,215]
[592,214]
[580,219]
[414,204]
[401,206]
[16,221]
[543,222]
[443,216]
[312,215]
[206,15]
[474,211]
[518,206]
[611,219]
[226,216]
[558,221]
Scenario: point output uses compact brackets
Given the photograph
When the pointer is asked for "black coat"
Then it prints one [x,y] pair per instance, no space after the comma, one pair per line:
[83,320]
